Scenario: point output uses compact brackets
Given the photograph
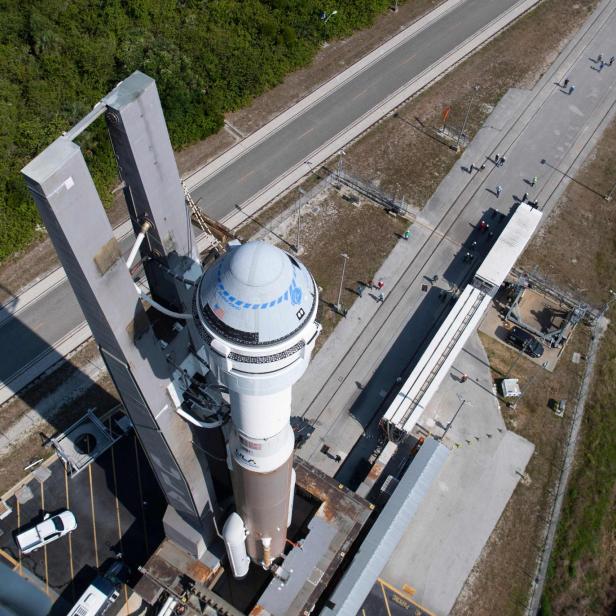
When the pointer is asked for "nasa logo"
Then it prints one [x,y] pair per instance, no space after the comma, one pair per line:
[296,294]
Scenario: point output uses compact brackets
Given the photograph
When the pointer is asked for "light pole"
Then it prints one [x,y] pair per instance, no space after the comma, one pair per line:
[468,111]
[463,401]
[345,258]
[302,192]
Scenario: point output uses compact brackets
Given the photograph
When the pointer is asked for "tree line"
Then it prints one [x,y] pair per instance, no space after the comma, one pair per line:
[58,57]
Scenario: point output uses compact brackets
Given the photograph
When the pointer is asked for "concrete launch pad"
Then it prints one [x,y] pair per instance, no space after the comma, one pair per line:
[327,519]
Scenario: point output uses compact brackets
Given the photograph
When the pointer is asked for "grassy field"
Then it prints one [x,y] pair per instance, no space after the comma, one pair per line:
[582,573]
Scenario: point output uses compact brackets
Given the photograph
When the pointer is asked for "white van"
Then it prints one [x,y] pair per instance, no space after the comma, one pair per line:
[97,598]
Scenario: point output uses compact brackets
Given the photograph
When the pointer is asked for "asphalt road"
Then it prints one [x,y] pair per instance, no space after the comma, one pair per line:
[295,141]
[45,322]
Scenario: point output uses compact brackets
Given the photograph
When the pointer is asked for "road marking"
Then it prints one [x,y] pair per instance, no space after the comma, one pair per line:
[70,539]
[93,515]
[305,133]
[19,526]
[44,547]
[9,558]
[385,598]
[145,532]
[247,175]
[405,596]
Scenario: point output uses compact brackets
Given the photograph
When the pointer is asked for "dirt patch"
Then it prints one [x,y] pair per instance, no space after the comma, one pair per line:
[501,578]
[575,248]
[331,226]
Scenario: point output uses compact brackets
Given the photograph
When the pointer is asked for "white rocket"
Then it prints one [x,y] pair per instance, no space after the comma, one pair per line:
[256,310]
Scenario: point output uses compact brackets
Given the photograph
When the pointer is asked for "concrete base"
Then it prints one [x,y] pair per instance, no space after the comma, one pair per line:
[183,534]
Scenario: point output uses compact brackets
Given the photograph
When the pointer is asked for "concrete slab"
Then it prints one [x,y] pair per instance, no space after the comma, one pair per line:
[459,512]
[42,474]
[23,495]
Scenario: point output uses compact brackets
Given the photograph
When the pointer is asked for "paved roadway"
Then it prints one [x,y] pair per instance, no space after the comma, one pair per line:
[295,141]
[41,325]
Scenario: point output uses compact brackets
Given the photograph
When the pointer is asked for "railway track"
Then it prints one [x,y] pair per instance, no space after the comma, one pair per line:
[458,208]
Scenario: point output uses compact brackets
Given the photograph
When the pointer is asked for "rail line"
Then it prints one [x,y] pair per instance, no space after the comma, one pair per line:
[571,56]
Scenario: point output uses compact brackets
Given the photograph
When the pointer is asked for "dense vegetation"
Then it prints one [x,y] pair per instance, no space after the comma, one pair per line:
[58,57]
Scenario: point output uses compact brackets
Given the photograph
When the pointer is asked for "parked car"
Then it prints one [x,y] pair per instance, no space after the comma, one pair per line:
[103,592]
[526,342]
[50,529]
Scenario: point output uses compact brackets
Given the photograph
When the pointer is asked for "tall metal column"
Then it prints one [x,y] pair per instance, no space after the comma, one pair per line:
[71,209]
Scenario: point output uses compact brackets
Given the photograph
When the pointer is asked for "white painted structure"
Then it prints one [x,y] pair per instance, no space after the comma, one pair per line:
[408,406]
[508,248]
[256,310]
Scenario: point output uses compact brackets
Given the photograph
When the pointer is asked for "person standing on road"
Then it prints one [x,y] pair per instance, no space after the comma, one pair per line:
[600,57]
[534,181]
[611,61]
[566,83]
[499,190]
[601,65]
[571,89]
[381,297]
[502,161]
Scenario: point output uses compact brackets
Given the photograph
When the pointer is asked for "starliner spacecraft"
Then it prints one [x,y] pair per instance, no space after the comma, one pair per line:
[256,311]
[204,361]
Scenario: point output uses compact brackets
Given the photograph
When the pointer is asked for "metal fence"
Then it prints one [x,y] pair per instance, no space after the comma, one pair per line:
[373,192]
[324,184]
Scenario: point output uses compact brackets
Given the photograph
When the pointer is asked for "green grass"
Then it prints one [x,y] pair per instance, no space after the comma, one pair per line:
[588,514]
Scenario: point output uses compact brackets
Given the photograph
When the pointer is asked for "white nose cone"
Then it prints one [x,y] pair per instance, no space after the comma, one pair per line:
[256,295]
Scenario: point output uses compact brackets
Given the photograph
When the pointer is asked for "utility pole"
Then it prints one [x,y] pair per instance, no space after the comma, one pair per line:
[345,258]
[302,192]
[468,111]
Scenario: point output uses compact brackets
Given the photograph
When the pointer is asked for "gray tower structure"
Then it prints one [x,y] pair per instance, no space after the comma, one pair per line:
[151,377]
